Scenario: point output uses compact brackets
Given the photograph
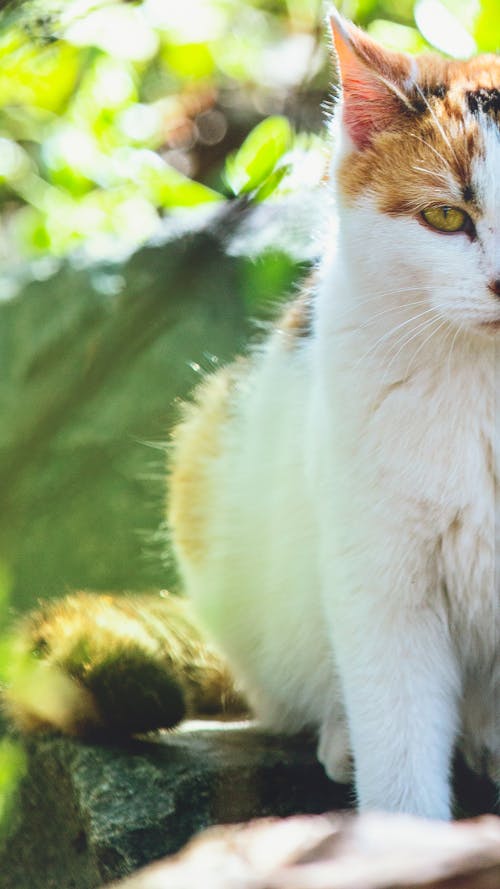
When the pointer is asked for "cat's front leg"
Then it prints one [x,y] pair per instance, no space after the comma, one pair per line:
[400,685]
[334,744]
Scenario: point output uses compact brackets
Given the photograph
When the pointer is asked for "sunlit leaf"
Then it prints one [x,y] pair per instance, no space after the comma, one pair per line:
[159,181]
[108,84]
[466,11]
[30,231]
[305,164]
[443,29]
[249,167]
[42,76]
[400,11]
[271,183]
[487,27]
[395,36]
[196,21]
[72,159]
[120,30]
[12,768]
[190,59]
[172,189]
[14,161]
[304,13]
[239,58]
[140,123]
[360,10]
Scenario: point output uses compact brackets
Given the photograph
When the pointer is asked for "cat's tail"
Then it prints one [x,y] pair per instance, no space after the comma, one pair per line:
[116,665]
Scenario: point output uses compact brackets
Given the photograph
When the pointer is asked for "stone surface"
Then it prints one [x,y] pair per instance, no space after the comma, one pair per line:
[371,851]
[89,814]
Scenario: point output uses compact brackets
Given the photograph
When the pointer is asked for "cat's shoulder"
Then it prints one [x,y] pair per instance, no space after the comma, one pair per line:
[200,439]
[196,441]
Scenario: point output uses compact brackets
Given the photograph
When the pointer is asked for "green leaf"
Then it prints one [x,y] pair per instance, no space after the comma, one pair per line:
[193,60]
[257,158]
[5,585]
[36,77]
[487,27]
[272,182]
[444,29]
[12,768]
[399,37]
[169,188]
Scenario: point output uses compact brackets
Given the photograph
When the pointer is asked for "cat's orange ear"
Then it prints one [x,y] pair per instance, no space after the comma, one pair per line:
[373,81]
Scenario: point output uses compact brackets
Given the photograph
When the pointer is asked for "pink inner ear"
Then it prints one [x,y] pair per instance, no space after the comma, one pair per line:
[369,107]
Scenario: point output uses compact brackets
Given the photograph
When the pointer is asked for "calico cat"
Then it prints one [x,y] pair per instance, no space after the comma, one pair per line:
[333,497]
[334,500]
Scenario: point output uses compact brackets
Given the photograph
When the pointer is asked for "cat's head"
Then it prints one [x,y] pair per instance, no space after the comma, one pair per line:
[418,175]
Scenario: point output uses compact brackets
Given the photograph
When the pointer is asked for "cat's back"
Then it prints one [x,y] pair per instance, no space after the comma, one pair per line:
[198,442]
[242,522]
[255,403]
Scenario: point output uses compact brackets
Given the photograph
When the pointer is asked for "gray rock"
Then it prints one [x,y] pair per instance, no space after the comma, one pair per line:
[89,814]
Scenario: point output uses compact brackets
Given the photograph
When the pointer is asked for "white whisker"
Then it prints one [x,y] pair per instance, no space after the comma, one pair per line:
[381,295]
[398,308]
[435,118]
[436,174]
[405,341]
[424,325]
[448,362]
[431,147]
[444,321]
[391,332]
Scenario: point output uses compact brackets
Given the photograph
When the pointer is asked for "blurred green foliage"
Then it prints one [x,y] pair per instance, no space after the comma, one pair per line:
[12,767]
[114,113]
[260,157]
[12,757]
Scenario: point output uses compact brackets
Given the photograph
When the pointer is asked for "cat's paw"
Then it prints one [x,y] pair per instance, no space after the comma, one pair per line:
[334,750]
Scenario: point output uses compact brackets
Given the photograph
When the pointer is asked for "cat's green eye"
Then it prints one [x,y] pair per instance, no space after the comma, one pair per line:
[446,219]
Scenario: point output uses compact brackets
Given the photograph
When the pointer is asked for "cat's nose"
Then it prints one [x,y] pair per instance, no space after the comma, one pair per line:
[495,287]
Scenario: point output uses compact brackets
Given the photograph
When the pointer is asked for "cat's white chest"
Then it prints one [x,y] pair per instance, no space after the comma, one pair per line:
[441,458]
[422,456]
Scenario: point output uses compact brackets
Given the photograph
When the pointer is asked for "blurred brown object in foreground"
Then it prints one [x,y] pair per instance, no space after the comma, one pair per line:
[370,851]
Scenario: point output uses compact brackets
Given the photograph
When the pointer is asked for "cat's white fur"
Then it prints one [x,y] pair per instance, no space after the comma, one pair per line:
[349,571]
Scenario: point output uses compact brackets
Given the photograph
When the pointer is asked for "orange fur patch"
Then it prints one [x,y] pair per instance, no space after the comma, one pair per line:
[197,441]
[296,320]
[407,166]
